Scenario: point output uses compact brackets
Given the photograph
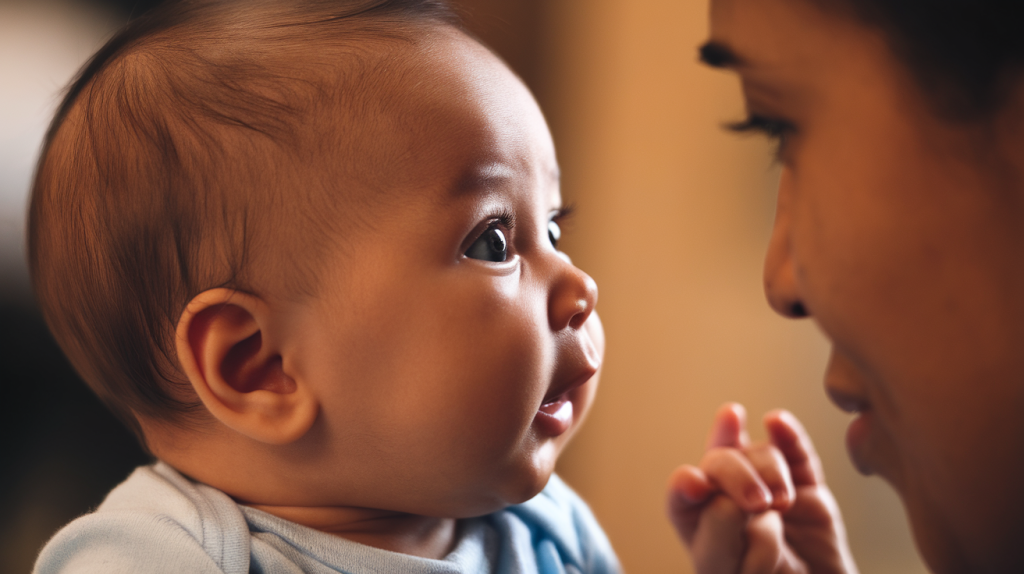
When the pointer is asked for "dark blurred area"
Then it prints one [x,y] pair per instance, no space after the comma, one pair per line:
[129,8]
[62,450]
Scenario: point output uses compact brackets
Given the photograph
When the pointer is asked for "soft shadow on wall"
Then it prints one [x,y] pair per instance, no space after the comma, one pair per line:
[673,219]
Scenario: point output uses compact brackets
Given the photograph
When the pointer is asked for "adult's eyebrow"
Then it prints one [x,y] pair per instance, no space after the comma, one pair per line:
[718,55]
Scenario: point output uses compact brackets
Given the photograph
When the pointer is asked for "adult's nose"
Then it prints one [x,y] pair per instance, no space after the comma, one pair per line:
[781,283]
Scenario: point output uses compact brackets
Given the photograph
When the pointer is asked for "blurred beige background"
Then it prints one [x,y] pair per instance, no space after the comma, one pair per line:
[674,215]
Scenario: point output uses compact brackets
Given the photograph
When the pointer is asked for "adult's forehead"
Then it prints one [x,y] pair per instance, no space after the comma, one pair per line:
[757,35]
[787,44]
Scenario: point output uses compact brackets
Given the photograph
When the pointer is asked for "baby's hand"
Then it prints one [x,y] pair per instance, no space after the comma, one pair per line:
[759,509]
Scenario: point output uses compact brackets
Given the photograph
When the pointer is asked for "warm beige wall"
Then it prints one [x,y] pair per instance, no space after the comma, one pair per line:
[673,221]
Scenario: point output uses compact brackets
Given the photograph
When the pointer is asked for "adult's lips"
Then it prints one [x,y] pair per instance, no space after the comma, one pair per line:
[847,401]
[858,434]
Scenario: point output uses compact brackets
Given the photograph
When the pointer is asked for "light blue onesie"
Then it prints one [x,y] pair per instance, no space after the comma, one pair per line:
[158,521]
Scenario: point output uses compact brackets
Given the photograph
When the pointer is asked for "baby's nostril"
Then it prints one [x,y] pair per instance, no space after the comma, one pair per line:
[797,310]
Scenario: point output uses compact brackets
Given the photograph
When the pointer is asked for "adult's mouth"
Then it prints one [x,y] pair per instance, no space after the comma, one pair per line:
[844,384]
[858,434]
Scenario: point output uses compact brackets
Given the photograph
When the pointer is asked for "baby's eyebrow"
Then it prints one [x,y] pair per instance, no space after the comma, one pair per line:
[556,175]
[483,176]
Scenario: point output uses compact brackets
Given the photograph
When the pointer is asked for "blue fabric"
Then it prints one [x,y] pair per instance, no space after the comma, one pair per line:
[158,521]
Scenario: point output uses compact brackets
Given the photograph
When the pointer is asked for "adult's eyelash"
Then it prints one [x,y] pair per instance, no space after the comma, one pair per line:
[771,127]
[775,129]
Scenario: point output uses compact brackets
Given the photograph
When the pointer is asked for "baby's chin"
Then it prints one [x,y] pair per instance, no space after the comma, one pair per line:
[542,469]
[514,487]
[523,475]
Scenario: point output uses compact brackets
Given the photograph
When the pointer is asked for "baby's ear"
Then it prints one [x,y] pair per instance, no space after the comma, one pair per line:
[231,357]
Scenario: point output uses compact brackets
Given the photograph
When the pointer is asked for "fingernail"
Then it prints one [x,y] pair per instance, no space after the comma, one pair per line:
[758,496]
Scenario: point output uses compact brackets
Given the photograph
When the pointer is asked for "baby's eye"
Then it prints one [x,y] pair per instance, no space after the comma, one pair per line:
[554,233]
[558,218]
[490,246]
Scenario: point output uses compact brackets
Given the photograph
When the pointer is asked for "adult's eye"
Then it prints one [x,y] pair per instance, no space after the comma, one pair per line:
[490,246]
[554,233]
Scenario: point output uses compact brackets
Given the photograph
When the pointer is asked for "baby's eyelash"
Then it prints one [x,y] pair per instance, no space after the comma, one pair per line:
[506,217]
[771,127]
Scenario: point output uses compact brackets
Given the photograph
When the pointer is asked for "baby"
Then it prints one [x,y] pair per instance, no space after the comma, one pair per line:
[308,251]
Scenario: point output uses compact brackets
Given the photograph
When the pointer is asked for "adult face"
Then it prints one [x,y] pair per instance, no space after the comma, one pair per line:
[902,236]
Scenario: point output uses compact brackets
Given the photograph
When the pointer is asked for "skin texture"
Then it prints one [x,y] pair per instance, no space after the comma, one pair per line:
[901,235]
[405,394]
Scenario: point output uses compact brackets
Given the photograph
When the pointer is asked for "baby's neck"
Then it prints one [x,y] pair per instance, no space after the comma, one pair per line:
[225,464]
[422,536]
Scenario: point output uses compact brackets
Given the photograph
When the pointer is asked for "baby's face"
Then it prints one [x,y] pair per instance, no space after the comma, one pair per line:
[453,348]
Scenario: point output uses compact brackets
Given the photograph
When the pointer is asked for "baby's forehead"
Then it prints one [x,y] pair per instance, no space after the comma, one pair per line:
[414,108]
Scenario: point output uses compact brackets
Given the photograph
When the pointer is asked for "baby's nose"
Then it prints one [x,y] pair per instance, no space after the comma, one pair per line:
[573,298]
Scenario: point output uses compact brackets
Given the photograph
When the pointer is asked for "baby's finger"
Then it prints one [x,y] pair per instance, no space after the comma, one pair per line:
[692,484]
[769,462]
[730,427]
[720,540]
[789,436]
[688,490]
[732,472]
[764,535]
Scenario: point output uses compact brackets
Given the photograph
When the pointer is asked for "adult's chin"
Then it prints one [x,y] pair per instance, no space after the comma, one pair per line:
[939,539]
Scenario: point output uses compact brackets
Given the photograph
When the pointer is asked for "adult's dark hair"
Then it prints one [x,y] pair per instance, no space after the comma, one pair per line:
[967,55]
[169,170]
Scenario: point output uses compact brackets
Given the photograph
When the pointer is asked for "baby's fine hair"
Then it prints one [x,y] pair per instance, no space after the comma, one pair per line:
[170,169]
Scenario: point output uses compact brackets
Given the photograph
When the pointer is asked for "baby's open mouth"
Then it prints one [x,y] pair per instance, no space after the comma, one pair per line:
[555,416]
[560,408]
[556,413]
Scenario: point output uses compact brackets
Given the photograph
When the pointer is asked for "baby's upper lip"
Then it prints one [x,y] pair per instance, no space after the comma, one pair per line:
[578,368]
[558,390]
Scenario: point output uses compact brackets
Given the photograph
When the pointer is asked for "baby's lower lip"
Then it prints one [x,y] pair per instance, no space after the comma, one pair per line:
[555,417]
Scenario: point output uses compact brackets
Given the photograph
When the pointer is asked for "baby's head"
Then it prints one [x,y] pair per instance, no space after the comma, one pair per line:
[308,251]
